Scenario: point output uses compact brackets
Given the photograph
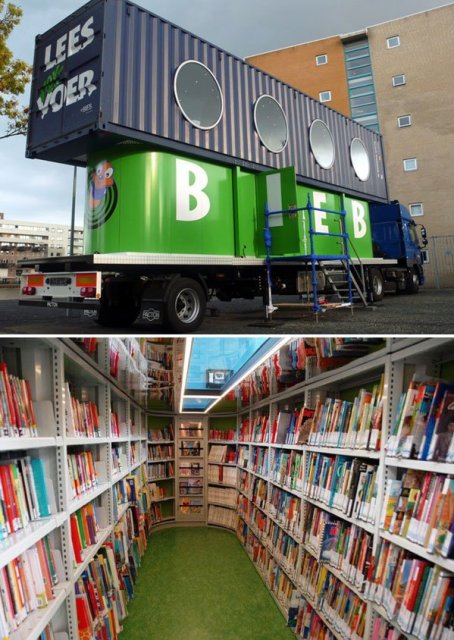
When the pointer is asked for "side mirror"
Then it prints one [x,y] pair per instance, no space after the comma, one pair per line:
[424,235]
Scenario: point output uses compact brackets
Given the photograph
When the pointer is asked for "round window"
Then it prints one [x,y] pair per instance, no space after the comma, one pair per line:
[322,144]
[360,159]
[271,123]
[198,94]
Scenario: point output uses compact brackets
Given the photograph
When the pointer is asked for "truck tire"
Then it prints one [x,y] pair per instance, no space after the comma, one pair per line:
[377,285]
[412,282]
[184,305]
[118,316]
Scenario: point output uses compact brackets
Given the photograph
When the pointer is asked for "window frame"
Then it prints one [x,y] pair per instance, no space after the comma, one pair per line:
[410,160]
[178,100]
[317,59]
[257,128]
[402,126]
[399,84]
[416,204]
[315,125]
[392,46]
[330,96]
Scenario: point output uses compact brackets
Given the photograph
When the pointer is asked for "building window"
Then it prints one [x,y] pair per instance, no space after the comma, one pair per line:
[416,209]
[322,59]
[399,80]
[393,42]
[410,164]
[361,91]
[404,121]
[325,96]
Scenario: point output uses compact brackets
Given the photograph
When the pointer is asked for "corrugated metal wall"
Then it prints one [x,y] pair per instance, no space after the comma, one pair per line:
[140,57]
[439,270]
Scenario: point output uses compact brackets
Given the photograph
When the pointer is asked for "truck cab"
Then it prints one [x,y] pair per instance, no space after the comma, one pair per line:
[395,236]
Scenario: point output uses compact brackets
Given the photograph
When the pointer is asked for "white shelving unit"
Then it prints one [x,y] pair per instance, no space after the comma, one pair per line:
[222,472]
[163,496]
[397,360]
[191,469]
[48,364]
[261,512]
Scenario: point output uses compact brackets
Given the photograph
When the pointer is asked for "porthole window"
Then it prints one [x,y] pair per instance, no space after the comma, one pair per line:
[360,159]
[271,123]
[198,94]
[322,144]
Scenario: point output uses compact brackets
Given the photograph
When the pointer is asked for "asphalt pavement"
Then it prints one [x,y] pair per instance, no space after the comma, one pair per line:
[430,312]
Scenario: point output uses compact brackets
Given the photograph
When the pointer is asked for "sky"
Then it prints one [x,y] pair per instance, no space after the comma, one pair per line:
[41,191]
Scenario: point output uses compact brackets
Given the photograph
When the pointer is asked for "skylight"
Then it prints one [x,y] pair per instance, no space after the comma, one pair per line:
[213,366]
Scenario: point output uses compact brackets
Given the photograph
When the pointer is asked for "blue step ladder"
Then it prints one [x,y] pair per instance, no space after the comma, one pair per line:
[345,279]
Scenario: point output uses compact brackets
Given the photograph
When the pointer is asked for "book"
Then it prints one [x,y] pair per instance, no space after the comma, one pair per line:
[23,589]
[280,427]
[427,445]
[406,420]
[441,447]
[82,472]
[303,425]
[392,493]
[441,529]
[405,606]
[412,479]
[328,541]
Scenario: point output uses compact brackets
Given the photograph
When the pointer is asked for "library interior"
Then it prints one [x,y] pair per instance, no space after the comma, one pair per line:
[226,488]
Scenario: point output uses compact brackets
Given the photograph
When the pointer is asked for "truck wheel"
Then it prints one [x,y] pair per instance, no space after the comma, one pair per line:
[185,305]
[412,282]
[377,285]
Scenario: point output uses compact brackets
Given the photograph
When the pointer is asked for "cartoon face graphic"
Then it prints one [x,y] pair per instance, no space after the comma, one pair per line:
[102,195]
[101,181]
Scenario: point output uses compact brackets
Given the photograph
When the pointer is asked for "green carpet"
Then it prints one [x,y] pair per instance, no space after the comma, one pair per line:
[199,584]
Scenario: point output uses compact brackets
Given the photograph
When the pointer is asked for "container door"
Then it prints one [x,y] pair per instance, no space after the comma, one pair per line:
[277,191]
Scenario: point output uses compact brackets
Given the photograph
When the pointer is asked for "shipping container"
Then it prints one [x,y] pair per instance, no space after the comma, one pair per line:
[113,72]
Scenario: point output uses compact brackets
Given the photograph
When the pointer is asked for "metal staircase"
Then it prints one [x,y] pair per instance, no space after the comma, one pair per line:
[344,278]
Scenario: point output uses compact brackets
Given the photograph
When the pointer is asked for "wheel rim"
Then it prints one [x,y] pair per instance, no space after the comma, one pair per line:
[377,286]
[415,279]
[187,305]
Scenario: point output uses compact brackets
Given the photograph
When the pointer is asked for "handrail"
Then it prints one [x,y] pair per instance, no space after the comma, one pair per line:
[363,282]
[312,256]
[360,264]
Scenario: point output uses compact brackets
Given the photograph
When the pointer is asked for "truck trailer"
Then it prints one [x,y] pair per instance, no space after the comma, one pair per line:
[205,177]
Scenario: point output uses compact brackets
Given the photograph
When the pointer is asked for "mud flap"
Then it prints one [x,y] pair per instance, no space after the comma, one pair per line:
[152,311]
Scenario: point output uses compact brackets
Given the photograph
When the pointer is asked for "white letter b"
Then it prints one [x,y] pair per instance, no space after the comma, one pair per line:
[359,222]
[185,190]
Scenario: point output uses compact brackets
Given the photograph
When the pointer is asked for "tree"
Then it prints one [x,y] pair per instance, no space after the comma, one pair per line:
[14,74]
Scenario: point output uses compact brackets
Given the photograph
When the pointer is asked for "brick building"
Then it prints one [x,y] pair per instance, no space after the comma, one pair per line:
[396,78]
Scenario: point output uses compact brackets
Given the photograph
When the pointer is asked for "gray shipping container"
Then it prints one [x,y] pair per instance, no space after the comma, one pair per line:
[106,74]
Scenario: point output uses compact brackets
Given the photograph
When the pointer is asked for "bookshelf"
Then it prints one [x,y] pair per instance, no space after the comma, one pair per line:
[191,439]
[298,512]
[161,468]
[222,494]
[80,494]
[160,358]
[305,486]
